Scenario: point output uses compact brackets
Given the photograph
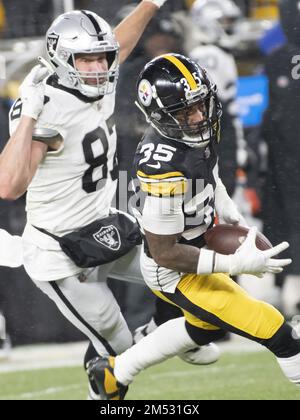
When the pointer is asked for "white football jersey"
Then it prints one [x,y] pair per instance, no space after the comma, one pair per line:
[76,184]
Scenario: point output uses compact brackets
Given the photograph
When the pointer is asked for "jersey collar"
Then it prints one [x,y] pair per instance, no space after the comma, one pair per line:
[53,81]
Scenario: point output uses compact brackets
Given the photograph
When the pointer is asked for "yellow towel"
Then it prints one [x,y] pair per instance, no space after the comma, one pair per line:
[265,9]
[189,3]
[2,16]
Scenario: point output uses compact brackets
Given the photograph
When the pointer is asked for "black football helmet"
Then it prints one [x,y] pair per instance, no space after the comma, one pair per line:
[170,86]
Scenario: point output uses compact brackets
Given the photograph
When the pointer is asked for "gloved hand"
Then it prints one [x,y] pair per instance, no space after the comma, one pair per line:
[157,3]
[225,207]
[32,92]
[248,259]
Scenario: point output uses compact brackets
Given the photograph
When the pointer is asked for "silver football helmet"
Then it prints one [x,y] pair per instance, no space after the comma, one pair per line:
[83,32]
[217,19]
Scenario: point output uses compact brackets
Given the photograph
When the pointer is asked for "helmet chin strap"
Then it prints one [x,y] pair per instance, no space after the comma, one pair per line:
[190,143]
[89,91]
[199,145]
[193,142]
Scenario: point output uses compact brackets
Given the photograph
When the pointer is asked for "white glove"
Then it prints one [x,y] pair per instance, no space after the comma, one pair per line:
[11,250]
[32,92]
[248,259]
[157,3]
[225,207]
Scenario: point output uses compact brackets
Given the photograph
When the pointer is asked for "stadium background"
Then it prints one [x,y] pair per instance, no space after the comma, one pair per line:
[31,317]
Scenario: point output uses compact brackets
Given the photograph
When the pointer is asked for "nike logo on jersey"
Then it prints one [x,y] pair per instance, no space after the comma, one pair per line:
[157,166]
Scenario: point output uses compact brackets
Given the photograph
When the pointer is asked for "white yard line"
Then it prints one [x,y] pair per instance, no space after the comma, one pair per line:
[44,357]
[23,367]
[44,392]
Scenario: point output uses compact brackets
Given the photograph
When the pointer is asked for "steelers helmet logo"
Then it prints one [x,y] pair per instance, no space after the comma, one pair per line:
[145,92]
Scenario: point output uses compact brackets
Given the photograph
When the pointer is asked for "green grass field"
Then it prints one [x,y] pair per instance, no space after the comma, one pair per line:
[250,376]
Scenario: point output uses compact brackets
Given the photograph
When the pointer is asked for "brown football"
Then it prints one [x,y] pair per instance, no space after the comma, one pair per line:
[226,239]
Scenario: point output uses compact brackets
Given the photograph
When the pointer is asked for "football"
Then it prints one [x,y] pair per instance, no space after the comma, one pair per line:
[226,239]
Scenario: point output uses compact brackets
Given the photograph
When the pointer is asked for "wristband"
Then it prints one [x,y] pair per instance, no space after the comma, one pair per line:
[157,3]
[211,262]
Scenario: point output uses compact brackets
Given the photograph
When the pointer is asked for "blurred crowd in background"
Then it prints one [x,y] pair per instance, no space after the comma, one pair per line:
[251,50]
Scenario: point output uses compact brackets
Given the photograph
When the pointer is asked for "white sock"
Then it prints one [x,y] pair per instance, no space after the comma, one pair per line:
[291,368]
[151,326]
[166,341]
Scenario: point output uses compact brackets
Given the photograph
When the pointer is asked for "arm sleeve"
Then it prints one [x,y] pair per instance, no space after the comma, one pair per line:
[163,215]
[43,129]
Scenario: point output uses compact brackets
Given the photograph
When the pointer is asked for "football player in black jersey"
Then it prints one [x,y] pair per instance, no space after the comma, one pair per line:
[180,191]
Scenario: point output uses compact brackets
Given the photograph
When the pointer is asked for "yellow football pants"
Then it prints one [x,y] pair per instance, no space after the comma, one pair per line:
[215,301]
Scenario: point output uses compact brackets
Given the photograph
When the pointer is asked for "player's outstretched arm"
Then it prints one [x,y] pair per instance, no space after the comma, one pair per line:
[129,31]
[19,160]
[21,156]
[167,252]
[248,259]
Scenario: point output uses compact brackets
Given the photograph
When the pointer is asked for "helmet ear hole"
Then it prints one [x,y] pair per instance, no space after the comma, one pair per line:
[71,61]
[111,56]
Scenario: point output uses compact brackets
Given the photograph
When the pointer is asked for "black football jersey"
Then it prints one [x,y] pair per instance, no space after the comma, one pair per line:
[166,167]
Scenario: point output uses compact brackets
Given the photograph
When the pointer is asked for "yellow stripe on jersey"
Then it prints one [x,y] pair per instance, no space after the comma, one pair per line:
[184,70]
[159,177]
[164,189]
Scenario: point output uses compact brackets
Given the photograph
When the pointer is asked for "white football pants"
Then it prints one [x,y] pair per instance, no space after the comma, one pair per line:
[91,306]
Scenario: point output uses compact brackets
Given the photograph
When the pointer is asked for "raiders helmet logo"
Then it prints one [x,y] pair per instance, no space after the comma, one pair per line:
[109,237]
[52,41]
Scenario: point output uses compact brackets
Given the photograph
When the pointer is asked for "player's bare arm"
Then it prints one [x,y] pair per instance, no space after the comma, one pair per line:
[21,156]
[20,160]
[167,252]
[129,31]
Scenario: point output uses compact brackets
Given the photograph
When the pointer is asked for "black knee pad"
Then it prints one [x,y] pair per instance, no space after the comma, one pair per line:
[285,343]
[164,311]
[203,337]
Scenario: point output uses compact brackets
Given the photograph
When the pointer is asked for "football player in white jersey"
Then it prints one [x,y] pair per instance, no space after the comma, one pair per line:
[62,151]
[180,189]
